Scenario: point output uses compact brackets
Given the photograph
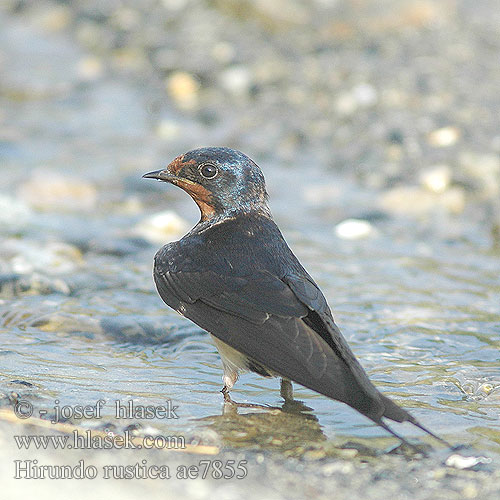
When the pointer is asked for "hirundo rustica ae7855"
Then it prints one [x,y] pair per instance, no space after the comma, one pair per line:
[234,275]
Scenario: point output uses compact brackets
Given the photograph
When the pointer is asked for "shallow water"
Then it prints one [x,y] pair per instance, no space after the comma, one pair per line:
[419,306]
[424,323]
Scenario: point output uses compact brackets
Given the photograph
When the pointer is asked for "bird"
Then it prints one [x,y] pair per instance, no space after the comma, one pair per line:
[234,275]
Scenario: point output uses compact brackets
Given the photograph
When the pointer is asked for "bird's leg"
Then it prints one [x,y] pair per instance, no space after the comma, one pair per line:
[227,397]
[286,390]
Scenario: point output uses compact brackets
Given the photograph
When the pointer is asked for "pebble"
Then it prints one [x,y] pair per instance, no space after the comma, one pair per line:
[360,96]
[49,191]
[334,468]
[32,284]
[345,104]
[484,169]
[436,179]
[90,68]
[354,229]
[470,491]
[319,194]
[365,94]
[174,4]
[444,137]
[223,52]
[13,212]
[162,227]
[183,88]
[314,454]
[25,257]
[56,18]
[486,388]
[460,462]
[236,80]
[414,200]
[168,130]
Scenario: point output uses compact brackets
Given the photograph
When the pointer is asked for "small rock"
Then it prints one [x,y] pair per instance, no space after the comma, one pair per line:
[13,212]
[443,137]
[162,227]
[453,200]
[314,454]
[334,468]
[236,80]
[460,462]
[183,88]
[353,229]
[470,491]
[436,179]
[56,18]
[365,94]
[53,258]
[32,284]
[174,5]
[439,473]
[484,169]
[486,388]
[52,191]
[126,18]
[413,200]
[223,52]
[345,104]
[90,68]
[361,96]
[168,130]
[319,194]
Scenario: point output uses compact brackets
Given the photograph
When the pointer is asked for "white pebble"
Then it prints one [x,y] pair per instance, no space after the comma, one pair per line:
[437,178]
[353,229]
[162,227]
[443,137]
[460,462]
[365,94]
[236,80]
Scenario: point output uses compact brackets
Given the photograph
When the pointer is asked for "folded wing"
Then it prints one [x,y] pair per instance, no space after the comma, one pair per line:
[283,323]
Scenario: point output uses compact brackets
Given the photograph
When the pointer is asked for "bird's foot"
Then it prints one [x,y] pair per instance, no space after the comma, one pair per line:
[228,400]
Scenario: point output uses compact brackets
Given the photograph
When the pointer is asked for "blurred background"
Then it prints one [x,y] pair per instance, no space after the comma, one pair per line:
[376,124]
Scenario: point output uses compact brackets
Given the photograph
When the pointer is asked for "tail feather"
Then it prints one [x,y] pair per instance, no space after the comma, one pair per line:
[398,414]
[394,411]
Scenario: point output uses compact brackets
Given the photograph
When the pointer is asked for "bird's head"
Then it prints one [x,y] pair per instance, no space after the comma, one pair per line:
[223,182]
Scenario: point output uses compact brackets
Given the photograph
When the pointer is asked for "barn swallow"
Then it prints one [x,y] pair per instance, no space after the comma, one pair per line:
[234,276]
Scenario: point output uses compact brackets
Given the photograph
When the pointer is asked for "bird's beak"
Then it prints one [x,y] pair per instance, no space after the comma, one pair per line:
[161,175]
[170,174]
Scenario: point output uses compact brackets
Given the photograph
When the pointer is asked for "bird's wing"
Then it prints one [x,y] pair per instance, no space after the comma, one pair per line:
[321,320]
[284,324]
[252,298]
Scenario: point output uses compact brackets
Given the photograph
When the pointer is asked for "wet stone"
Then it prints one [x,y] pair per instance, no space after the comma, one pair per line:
[162,227]
[13,285]
[52,191]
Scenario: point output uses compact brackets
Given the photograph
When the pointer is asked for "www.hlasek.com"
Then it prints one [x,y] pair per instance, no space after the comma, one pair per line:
[88,440]
[215,469]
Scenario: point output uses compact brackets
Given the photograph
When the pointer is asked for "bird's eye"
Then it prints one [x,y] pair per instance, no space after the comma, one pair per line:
[208,170]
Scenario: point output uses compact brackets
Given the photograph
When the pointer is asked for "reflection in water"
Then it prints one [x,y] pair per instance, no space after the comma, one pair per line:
[290,429]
